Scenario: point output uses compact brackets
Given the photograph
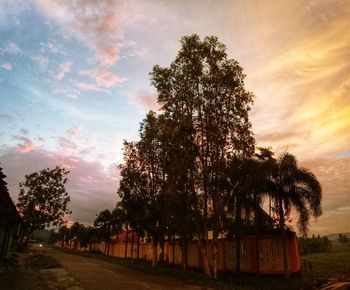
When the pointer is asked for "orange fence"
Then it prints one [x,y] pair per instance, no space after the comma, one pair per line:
[270,253]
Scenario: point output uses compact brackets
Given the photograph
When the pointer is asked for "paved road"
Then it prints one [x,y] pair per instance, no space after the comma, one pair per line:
[94,274]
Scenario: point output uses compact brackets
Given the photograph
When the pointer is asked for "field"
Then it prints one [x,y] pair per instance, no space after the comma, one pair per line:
[332,264]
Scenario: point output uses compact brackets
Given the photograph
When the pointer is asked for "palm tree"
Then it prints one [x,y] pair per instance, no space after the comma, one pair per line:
[293,187]
[103,224]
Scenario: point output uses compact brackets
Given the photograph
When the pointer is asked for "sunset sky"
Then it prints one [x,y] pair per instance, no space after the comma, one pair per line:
[74,82]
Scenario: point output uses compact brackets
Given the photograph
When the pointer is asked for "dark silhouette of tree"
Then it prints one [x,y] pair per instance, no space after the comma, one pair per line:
[143,179]
[103,224]
[343,239]
[205,90]
[43,199]
[294,187]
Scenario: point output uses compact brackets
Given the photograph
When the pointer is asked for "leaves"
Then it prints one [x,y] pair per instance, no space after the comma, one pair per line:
[43,199]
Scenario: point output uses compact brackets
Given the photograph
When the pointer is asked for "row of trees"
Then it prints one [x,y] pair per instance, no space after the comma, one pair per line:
[195,168]
[313,245]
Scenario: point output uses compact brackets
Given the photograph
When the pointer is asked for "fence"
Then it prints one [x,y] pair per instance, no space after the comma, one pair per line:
[269,253]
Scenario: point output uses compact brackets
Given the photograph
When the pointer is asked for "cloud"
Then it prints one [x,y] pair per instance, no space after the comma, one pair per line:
[67,145]
[26,146]
[301,79]
[146,100]
[74,132]
[63,68]
[99,24]
[333,174]
[12,49]
[43,61]
[24,131]
[88,87]
[6,66]
[50,47]
[103,77]
[91,186]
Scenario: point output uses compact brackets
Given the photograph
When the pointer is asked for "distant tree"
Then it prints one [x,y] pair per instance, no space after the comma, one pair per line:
[43,199]
[294,187]
[313,245]
[3,183]
[103,224]
[343,239]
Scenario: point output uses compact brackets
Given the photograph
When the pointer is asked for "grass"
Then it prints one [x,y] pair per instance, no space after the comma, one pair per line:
[195,276]
[328,265]
[9,272]
[333,264]
[40,262]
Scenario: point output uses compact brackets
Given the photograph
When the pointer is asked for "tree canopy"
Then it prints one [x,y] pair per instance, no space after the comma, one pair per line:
[43,199]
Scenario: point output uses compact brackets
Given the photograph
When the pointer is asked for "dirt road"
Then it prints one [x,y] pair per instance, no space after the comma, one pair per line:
[94,274]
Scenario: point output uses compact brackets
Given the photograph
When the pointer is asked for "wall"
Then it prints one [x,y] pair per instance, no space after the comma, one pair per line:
[270,253]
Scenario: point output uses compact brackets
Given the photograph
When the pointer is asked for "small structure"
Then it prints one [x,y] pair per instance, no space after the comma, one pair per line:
[10,220]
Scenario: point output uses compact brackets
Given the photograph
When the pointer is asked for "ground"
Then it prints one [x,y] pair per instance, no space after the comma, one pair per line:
[52,269]
[97,274]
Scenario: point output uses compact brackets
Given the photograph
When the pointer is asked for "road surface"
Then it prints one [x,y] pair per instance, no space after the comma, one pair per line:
[95,274]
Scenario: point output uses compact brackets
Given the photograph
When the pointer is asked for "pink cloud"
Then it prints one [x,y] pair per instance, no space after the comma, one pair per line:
[107,55]
[103,77]
[43,61]
[63,69]
[146,99]
[90,185]
[26,146]
[6,66]
[88,86]
[74,132]
[98,23]
[67,145]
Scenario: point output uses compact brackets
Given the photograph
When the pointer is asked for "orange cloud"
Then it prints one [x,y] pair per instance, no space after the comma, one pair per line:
[147,100]
[26,146]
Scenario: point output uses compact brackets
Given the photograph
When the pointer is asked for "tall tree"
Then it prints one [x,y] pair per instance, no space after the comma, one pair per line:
[143,179]
[43,199]
[205,90]
[294,187]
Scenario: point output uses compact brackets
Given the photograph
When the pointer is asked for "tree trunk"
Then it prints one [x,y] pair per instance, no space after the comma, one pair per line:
[257,252]
[204,249]
[184,253]
[132,243]
[173,250]
[215,253]
[284,239]
[138,248]
[238,253]
[161,256]
[154,253]
[126,242]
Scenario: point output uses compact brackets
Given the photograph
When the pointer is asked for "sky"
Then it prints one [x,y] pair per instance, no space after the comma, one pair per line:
[74,83]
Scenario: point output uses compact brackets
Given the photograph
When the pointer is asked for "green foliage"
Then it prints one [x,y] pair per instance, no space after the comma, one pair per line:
[43,199]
